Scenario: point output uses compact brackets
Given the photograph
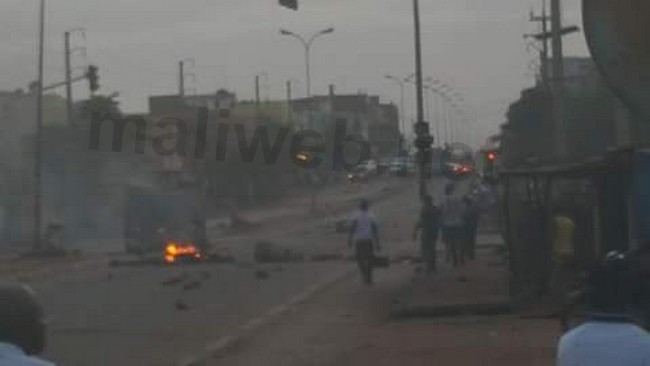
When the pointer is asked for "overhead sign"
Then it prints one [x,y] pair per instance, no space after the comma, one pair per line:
[617,35]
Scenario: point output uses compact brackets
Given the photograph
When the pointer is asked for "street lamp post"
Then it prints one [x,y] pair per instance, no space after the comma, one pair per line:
[39,131]
[423,139]
[307,44]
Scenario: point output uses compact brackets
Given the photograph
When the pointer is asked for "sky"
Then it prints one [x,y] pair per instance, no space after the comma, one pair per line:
[476,46]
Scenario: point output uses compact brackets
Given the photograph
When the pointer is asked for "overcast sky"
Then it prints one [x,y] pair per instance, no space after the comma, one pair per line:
[474,45]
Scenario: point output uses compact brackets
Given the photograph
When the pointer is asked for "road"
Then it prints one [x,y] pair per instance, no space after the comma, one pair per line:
[100,315]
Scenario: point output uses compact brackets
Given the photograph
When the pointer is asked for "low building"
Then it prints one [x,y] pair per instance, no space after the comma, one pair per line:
[384,132]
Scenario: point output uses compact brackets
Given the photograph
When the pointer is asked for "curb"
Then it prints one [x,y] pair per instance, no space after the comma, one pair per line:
[30,275]
[221,345]
[452,310]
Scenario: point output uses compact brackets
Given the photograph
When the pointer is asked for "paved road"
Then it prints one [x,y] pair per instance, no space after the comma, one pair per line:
[139,316]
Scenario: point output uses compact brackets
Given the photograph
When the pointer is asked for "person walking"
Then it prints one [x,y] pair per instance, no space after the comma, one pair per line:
[429,226]
[364,235]
[22,327]
[453,211]
[472,214]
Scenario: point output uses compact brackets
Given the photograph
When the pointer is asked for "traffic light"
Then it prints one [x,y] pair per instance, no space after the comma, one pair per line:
[291,4]
[93,78]
[423,140]
[490,171]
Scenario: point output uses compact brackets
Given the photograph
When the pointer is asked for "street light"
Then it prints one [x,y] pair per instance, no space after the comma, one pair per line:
[39,131]
[307,44]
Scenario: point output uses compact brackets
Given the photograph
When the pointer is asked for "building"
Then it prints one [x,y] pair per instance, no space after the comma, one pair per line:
[18,122]
[384,133]
[580,74]
[221,101]
[361,114]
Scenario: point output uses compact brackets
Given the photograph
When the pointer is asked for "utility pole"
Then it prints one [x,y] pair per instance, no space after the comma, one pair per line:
[68,79]
[181,79]
[544,18]
[257,97]
[424,139]
[437,112]
[39,132]
[558,79]
[289,106]
[418,62]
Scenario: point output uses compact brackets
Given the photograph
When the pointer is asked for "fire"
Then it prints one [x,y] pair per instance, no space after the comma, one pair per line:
[175,250]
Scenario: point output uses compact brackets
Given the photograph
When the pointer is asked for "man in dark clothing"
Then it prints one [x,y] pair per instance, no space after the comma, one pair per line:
[22,326]
[429,225]
[471,226]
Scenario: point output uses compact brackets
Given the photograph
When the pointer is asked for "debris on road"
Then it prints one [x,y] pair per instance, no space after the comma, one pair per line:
[326,257]
[219,258]
[262,274]
[268,252]
[191,285]
[135,262]
[175,280]
[180,305]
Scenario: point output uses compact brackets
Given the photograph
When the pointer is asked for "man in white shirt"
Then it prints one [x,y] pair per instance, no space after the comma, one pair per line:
[364,233]
[22,328]
[609,337]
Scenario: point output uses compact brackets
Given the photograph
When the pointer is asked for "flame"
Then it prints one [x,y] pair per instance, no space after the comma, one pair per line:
[174,250]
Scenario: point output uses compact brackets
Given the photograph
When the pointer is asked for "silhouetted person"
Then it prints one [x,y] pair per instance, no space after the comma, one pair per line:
[365,236]
[22,327]
[471,218]
[610,336]
[453,212]
[429,224]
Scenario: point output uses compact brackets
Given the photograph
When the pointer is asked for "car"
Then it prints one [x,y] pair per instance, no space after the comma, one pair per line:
[383,166]
[398,166]
[411,167]
[458,169]
[358,174]
[370,166]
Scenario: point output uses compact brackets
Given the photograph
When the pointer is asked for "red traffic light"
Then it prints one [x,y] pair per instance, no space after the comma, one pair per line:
[492,156]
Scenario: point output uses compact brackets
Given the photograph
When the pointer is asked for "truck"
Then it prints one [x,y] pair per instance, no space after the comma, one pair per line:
[169,222]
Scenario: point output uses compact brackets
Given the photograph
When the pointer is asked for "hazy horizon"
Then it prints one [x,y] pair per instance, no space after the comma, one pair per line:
[474,46]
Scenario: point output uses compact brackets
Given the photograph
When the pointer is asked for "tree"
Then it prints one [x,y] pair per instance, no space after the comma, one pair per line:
[102,104]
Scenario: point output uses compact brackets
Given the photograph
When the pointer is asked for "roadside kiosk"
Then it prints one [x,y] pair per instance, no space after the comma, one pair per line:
[608,196]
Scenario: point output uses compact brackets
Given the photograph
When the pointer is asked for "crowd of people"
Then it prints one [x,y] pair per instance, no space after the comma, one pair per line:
[456,220]
[617,294]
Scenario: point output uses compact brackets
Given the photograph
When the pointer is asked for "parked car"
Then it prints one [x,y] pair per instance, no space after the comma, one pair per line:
[398,166]
[358,174]
[370,166]
[383,166]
